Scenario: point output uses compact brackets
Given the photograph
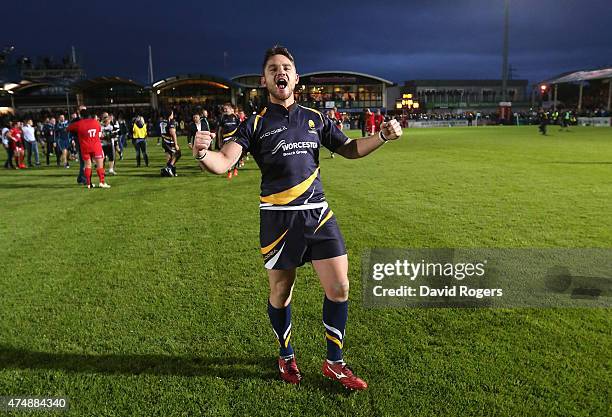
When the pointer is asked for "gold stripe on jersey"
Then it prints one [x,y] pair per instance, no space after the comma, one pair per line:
[287,196]
[271,246]
[227,135]
[331,213]
[313,110]
[259,116]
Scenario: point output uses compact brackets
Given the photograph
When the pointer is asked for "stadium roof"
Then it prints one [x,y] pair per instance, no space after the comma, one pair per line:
[463,83]
[239,79]
[586,75]
[102,81]
[13,88]
[210,79]
[360,74]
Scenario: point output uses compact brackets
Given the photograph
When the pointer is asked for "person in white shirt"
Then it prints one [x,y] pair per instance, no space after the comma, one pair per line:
[5,144]
[31,143]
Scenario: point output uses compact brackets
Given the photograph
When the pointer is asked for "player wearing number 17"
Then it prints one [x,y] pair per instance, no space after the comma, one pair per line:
[87,130]
[296,223]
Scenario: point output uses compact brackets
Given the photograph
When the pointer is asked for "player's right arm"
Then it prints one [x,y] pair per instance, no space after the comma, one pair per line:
[215,162]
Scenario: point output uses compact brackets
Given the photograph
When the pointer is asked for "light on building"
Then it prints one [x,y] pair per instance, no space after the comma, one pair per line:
[415,105]
[398,105]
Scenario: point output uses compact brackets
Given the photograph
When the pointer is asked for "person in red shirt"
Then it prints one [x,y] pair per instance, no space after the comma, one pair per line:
[369,122]
[15,136]
[378,120]
[87,129]
[338,117]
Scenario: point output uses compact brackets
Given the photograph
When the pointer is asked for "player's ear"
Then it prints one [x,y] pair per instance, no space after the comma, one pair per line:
[297,78]
[262,81]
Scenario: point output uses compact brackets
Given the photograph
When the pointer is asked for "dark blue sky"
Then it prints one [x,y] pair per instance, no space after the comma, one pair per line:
[397,40]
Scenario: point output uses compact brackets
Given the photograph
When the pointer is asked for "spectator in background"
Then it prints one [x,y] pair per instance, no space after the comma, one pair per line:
[379,118]
[204,119]
[195,126]
[139,134]
[369,122]
[9,151]
[338,117]
[331,114]
[31,143]
[49,136]
[62,140]
[362,122]
[123,131]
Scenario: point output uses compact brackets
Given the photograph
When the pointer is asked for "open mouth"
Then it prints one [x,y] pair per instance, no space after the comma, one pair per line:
[281,83]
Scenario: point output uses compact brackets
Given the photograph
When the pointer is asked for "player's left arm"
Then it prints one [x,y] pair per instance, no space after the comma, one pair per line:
[359,148]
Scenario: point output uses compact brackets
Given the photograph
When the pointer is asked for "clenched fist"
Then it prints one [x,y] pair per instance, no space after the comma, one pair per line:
[391,130]
[202,142]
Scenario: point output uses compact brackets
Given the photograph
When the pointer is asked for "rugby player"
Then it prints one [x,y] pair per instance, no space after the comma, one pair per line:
[62,139]
[227,128]
[87,130]
[15,136]
[108,135]
[169,144]
[296,223]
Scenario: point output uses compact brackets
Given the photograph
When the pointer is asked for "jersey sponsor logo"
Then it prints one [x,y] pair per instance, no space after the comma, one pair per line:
[286,147]
[273,132]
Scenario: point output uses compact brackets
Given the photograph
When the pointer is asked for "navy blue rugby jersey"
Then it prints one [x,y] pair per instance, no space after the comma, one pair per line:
[229,123]
[285,144]
[165,126]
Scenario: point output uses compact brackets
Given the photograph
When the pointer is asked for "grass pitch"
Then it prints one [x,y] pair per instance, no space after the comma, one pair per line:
[149,299]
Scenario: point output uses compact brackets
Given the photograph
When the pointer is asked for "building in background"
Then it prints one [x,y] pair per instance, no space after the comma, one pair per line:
[251,96]
[192,90]
[30,85]
[349,91]
[111,92]
[457,96]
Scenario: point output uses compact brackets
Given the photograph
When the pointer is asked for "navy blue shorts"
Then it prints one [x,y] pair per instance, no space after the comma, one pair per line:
[63,144]
[169,147]
[290,238]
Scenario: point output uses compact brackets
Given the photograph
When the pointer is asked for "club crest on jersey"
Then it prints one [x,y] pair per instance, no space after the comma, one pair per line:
[311,127]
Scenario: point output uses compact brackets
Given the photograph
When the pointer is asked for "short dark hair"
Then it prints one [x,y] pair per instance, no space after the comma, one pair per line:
[166,113]
[276,50]
[85,113]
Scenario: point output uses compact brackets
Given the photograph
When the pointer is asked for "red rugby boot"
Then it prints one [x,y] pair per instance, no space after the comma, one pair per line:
[342,373]
[289,371]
